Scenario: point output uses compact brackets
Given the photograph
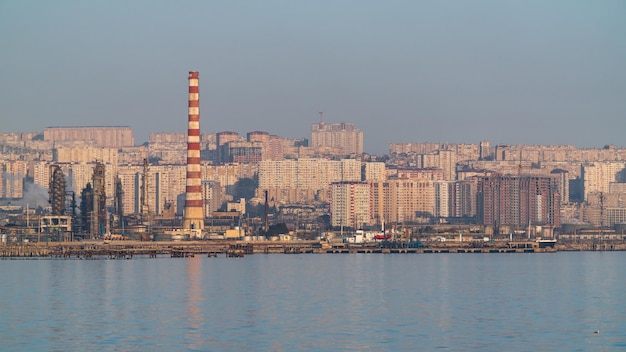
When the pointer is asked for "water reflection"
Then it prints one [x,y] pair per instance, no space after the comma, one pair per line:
[193,318]
[317,302]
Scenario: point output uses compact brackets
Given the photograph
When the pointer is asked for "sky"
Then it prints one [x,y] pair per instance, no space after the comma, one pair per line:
[511,72]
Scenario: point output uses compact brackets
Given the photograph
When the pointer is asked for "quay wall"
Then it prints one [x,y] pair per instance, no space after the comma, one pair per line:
[128,249]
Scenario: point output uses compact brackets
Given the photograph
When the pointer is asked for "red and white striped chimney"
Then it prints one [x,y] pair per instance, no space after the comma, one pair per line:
[193,217]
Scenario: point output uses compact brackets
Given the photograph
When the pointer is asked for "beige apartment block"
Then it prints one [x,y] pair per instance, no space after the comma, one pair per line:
[41,173]
[403,200]
[107,137]
[304,179]
[462,151]
[375,171]
[17,139]
[444,199]
[537,153]
[339,138]
[274,148]
[430,174]
[130,178]
[85,154]
[212,197]
[599,175]
[12,174]
[228,174]
[132,155]
[165,185]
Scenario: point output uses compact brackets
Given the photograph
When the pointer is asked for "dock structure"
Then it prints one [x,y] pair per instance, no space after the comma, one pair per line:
[237,249]
[23,251]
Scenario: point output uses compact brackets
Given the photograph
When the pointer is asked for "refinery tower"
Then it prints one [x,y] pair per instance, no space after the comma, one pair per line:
[193,217]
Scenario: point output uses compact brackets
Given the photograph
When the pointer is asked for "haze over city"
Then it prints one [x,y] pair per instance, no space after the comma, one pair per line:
[531,72]
[166,182]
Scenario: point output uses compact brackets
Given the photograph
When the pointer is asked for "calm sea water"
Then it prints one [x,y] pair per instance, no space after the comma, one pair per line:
[354,302]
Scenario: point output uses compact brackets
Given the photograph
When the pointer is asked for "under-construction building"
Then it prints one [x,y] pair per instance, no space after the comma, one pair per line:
[518,201]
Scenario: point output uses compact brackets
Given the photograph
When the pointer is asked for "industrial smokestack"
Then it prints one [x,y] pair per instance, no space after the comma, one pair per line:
[193,217]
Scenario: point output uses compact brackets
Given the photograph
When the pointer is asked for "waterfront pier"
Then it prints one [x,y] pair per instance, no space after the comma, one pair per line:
[234,249]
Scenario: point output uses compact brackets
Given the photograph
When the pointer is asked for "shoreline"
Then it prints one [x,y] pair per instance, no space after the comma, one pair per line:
[213,248]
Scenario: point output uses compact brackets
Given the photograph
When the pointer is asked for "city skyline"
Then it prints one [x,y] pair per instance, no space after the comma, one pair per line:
[528,73]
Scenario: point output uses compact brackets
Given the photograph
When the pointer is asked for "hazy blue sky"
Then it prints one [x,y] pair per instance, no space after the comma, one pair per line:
[534,72]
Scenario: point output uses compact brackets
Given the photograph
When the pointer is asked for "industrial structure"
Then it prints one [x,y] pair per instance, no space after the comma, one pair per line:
[193,216]
[118,203]
[56,190]
[98,217]
[58,223]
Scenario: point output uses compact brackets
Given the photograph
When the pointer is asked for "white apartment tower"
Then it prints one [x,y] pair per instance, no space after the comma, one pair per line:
[350,204]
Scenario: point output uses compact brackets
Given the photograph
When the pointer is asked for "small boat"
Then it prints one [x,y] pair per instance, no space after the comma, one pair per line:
[382,237]
[546,243]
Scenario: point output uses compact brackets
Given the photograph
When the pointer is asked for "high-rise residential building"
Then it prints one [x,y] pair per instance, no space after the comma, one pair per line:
[12,175]
[41,173]
[447,162]
[274,148]
[221,139]
[228,175]
[168,148]
[107,137]
[518,201]
[258,136]
[485,150]
[403,200]
[304,180]
[444,199]
[350,204]
[465,197]
[130,180]
[132,155]
[336,138]
[212,196]
[242,152]
[374,172]
[87,154]
[429,174]
[598,176]
[563,183]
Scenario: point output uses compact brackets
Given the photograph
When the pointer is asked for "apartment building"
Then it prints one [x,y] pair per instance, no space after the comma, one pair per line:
[350,204]
[403,200]
[518,201]
[336,138]
[598,176]
[304,180]
[12,175]
[374,171]
[85,154]
[106,137]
